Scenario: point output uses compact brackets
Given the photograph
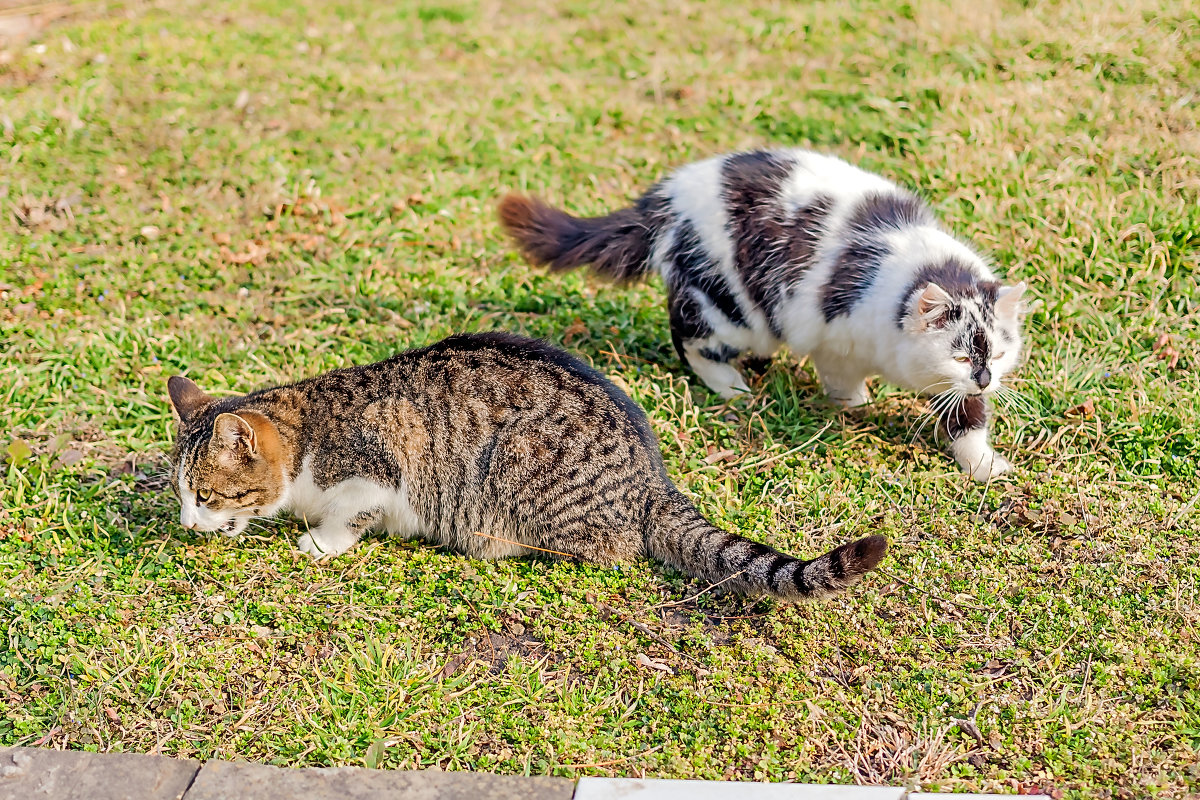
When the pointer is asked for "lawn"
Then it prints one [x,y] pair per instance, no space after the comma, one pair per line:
[254,192]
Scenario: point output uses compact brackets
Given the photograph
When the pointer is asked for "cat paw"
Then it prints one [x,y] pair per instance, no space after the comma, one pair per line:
[988,468]
[318,549]
[719,376]
[849,397]
[853,401]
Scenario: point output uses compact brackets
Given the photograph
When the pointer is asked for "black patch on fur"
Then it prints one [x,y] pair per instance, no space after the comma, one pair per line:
[729,541]
[981,356]
[973,340]
[694,267]
[754,552]
[721,354]
[853,273]
[981,348]
[959,281]
[881,212]
[687,320]
[872,219]
[968,415]
[836,568]
[803,586]
[773,249]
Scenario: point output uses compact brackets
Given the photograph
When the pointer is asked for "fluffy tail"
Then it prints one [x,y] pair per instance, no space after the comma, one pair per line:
[679,536]
[617,246]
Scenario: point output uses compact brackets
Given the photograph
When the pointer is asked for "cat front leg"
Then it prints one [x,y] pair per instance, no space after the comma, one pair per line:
[700,348]
[712,365]
[966,424]
[332,538]
[844,382]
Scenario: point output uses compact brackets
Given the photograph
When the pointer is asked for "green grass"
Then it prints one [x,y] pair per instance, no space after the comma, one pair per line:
[256,192]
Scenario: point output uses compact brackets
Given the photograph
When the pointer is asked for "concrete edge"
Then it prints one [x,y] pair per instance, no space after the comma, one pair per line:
[75,775]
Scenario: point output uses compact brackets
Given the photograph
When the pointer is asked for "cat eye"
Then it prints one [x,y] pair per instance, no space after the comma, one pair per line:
[997,356]
[203,495]
[963,359]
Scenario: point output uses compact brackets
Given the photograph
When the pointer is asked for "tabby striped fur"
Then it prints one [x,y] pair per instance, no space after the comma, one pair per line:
[489,444]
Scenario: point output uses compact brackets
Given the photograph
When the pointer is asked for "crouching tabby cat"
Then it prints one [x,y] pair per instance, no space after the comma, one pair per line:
[793,247]
[489,444]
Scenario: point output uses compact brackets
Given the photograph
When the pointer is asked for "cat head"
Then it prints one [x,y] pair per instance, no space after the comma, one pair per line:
[967,332]
[228,466]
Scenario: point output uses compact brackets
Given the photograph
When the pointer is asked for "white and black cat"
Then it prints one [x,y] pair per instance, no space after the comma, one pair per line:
[767,248]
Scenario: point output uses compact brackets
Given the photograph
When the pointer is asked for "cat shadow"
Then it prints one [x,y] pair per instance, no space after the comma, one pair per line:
[788,404]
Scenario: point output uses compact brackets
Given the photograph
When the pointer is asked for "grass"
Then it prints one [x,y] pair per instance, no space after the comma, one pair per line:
[252,192]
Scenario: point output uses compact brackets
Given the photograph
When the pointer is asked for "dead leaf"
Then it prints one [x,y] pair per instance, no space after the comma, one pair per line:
[255,252]
[719,456]
[576,328]
[993,668]
[646,661]
[126,467]
[70,457]
[452,666]
[968,727]
[112,715]
[1085,409]
[1165,352]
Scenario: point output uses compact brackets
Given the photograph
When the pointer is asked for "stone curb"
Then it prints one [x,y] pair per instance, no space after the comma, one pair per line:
[27,773]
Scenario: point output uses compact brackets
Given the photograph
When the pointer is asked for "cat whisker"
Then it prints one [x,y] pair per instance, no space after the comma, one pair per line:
[1030,403]
[951,398]
[938,405]
[1011,399]
[922,419]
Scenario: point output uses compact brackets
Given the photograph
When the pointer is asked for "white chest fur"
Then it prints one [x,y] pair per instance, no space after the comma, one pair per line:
[342,502]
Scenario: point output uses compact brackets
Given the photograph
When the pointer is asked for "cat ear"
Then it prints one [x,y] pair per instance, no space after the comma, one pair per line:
[186,397]
[232,433]
[930,305]
[1008,300]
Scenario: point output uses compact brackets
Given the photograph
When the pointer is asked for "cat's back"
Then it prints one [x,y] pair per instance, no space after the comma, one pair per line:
[501,374]
[791,177]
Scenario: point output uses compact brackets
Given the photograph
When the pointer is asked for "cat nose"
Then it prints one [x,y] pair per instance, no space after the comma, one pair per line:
[983,377]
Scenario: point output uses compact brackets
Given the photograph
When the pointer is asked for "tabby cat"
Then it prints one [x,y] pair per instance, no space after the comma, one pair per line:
[793,247]
[489,444]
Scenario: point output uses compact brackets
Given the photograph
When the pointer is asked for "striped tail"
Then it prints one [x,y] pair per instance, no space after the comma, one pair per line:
[617,246]
[680,537]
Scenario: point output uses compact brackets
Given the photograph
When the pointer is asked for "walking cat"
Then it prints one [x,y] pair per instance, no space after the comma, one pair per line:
[489,444]
[775,247]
